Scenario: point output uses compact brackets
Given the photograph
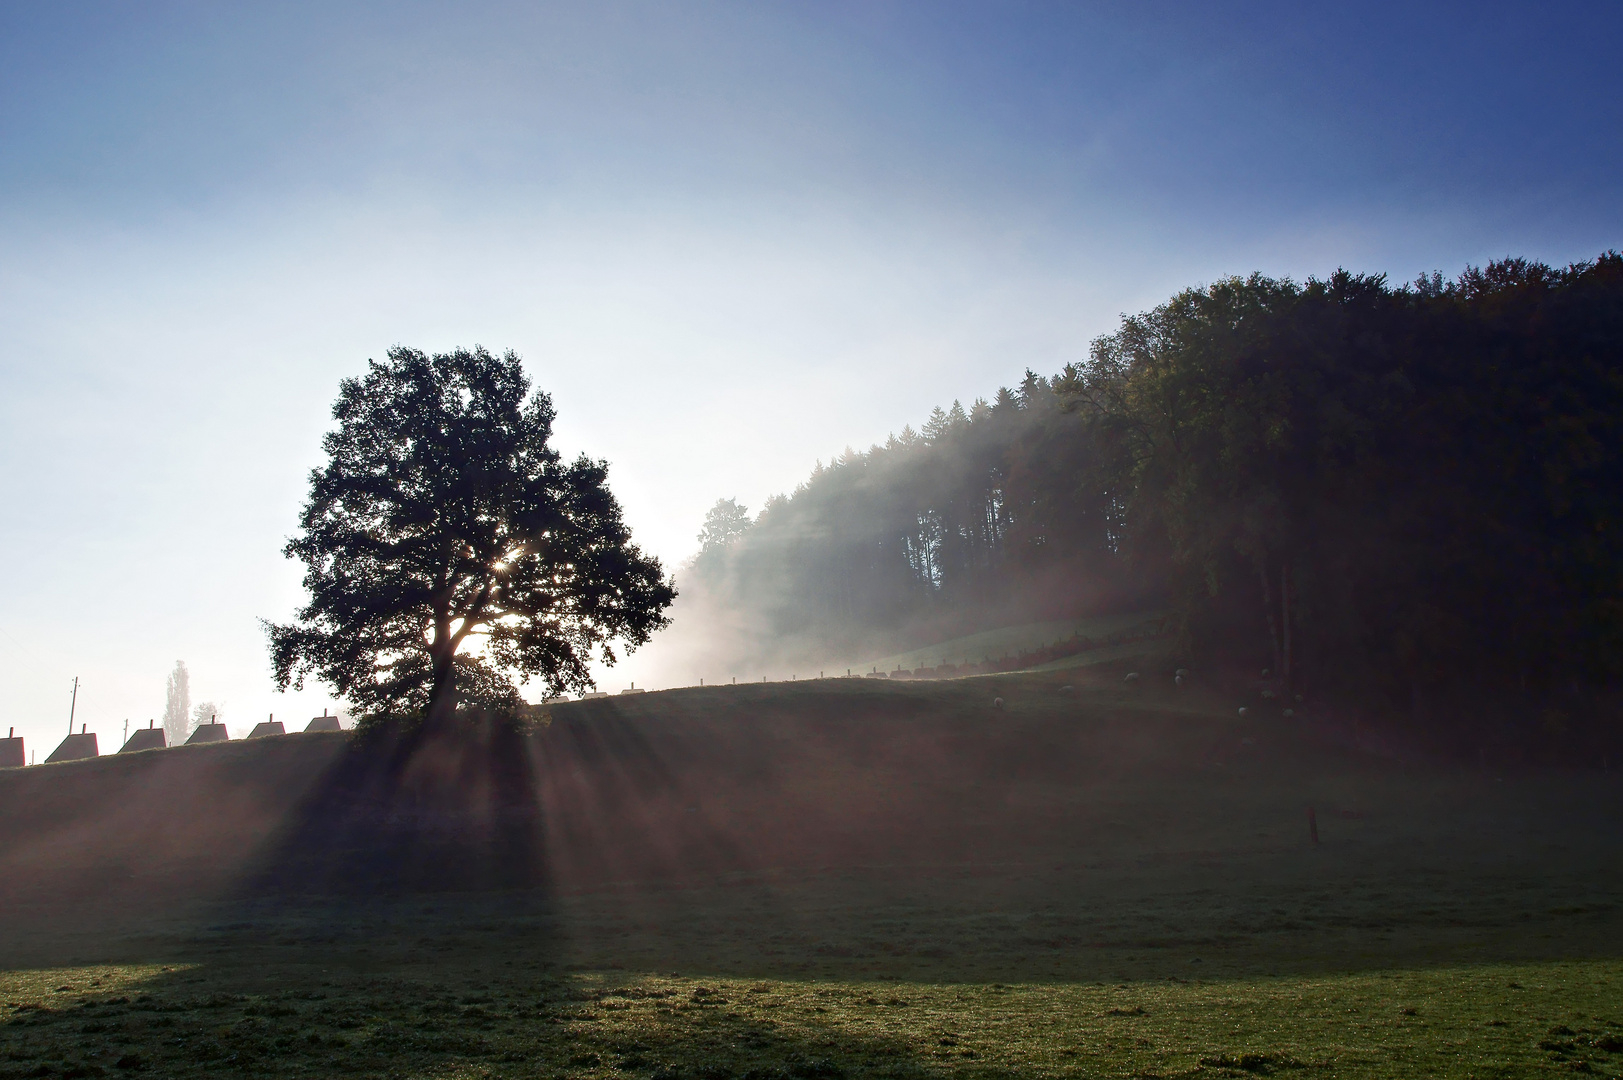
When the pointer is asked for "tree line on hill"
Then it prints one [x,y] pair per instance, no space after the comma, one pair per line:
[1403,495]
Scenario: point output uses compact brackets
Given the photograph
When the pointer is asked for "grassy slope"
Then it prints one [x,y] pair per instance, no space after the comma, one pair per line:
[877,879]
[1008,641]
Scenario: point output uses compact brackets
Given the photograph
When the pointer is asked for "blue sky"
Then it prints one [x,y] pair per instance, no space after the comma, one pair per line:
[729,239]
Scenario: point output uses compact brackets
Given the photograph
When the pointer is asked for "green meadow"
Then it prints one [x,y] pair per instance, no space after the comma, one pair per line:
[850,879]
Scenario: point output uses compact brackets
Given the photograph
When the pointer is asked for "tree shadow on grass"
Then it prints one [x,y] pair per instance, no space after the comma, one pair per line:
[475,805]
[454,806]
[275,1021]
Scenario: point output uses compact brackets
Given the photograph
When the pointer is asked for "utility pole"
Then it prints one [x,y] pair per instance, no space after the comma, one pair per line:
[74,705]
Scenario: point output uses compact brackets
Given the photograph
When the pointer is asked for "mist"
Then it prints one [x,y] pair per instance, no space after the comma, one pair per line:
[728,244]
[986,517]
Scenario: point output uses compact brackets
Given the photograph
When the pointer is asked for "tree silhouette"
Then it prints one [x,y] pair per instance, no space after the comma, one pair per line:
[447,547]
[725,522]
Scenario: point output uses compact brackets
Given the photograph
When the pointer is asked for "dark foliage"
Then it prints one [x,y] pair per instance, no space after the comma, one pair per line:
[442,518]
[1397,493]
[1398,490]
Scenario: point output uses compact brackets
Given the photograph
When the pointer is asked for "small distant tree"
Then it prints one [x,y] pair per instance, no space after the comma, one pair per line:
[447,547]
[177,704]
[725,522]
[204,712]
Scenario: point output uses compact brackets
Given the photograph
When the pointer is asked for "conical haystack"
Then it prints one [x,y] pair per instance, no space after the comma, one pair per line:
[208,733]
[75,747]
[147,738]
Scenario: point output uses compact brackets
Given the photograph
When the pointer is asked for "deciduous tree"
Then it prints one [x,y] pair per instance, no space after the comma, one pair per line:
[449,548]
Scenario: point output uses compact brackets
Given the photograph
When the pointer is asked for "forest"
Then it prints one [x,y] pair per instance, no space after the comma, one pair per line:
[1408,496]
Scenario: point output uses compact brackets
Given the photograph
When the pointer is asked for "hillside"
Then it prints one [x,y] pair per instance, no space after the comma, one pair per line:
[1021,638]
[809,852]
[691,785]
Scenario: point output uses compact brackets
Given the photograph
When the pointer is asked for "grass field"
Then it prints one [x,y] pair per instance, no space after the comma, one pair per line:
[1011,640]
[840,879]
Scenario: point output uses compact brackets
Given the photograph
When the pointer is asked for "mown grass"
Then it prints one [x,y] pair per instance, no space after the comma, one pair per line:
[1009,640]
[1490,1021]
[902,881]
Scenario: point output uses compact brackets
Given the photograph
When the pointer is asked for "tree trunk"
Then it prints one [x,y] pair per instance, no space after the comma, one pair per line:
[442,700]
[442,654]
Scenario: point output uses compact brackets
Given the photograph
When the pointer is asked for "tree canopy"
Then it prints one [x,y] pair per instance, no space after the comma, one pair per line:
[725,522]
[448,547]
[1394,492]
[1426,482]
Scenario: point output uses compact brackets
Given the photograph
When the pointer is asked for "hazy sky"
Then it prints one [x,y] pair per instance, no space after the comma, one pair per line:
[728,239]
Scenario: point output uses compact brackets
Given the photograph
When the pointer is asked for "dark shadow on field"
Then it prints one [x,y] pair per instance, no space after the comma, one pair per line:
[831,829]
[476,806]
[115,856]
[453,806]
[275,1019]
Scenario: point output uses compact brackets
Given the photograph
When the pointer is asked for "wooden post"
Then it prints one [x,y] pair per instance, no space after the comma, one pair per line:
[1313,826]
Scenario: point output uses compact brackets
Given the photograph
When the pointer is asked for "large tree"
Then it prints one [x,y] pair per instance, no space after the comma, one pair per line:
[448,547]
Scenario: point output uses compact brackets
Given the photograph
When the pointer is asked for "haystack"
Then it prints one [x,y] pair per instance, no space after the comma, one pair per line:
[11,751]
[323,723]
[75,747]
[147,738]
[269,727]
[209,733]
